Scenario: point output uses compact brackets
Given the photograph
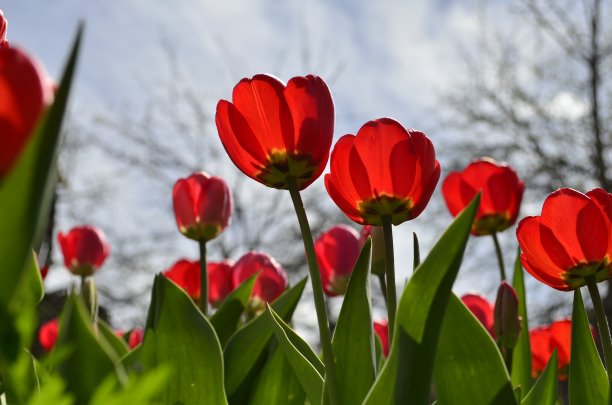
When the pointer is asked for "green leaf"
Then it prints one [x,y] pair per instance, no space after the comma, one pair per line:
[85,361]
[588,381]
[144,389]
[245,347]
[406,375]
[26,192]
[179,336]
[225,320]
[544,390]
[353,341]
[108,334]
[277,383]
[469,368]
[308,376]
[521,358]
[52,392]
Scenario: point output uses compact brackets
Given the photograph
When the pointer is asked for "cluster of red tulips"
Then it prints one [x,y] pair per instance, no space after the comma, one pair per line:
[224,329]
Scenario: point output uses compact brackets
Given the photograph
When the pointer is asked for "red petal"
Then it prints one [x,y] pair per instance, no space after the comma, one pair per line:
[427,191]
[481,308]
[340,171]
[451,191]
[349,209]
[603,199]
[593,233]
[184,207]
[561,334]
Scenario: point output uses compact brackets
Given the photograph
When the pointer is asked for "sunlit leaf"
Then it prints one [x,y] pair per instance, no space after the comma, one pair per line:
[521,358]
[544,390]
[226,319]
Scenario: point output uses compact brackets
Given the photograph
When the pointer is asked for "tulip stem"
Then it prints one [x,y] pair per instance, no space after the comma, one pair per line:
[383,285]
[317,292]
[390,274]
[508,353]
[500,257]
[203,279]
[602,323]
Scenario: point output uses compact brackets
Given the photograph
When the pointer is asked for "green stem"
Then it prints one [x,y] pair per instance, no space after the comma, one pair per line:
[500,257]
[203,279]
[508,352]
[390,274]
[602,323]
[317,292]
[383,285]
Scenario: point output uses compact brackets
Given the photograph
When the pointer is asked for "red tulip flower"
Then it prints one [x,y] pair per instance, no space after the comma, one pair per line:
[482,310]
[186,274]
[85,248]
[202,206]
[383,172]
[3,24]
[337,252]
[135,337]
[544,340]
[271,281]
[274,132]
[571,241]
[502,192]
[25,91]
[47,334]
[381,327]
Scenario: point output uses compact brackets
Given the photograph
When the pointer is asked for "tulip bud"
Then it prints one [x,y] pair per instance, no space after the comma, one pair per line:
[507,322]
[337,251]
[202,206]
[85,248]
[47,334]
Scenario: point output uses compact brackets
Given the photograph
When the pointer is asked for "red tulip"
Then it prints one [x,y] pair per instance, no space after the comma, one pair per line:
[570,241]
[3,24]
[273,132]
[202,206]
[337,252]
[381,327]
[25,91]
[186,274]
[271,282]
[135,337]
[84,248]
[482,310]
[384,171]
[47,334]
[502,192]
[544,340]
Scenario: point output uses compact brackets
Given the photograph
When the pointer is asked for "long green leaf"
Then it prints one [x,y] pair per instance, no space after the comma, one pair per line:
[306,373]
[225,320]
[353,341]
[469,369]
[177,335]
[544,390]
[521,358]
[245,347]
[588,381]
[277,383]
[26,192]
[406,375]
[108,334]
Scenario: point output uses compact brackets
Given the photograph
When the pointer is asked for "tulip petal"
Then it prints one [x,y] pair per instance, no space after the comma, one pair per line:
[592,232]
[603,199]
[340,170]
[451,190]
[349,209]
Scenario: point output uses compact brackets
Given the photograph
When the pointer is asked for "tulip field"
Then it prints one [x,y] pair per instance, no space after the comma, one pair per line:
[222,332]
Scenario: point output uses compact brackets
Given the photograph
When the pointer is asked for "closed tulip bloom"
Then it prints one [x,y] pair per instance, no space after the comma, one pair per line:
[502,192]
[47,334]
[506,320]
[274,132]
[202,206]
[271,281]
[544,340]
[25,91]
[135,337]
[85,248]
[383,171]
[381,327]
[482,310]
[3,25]
[186,274]
[337,251]
[571,241]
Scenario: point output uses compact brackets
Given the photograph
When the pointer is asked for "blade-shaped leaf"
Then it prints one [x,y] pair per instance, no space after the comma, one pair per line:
[521,358]
[225,320]
[26,192]
[177,335]
[353,341]
[108,334]
[469,368]
[406,375]
[308,376]
[277,383]
[247,344]
[588,381]
[544,390]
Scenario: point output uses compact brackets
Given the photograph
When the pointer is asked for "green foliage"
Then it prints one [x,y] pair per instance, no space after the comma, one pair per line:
[544,390]
[588,381]
[118,344]
[406,376]
[227,318]
[469,368]
[521,358]
[353,340]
